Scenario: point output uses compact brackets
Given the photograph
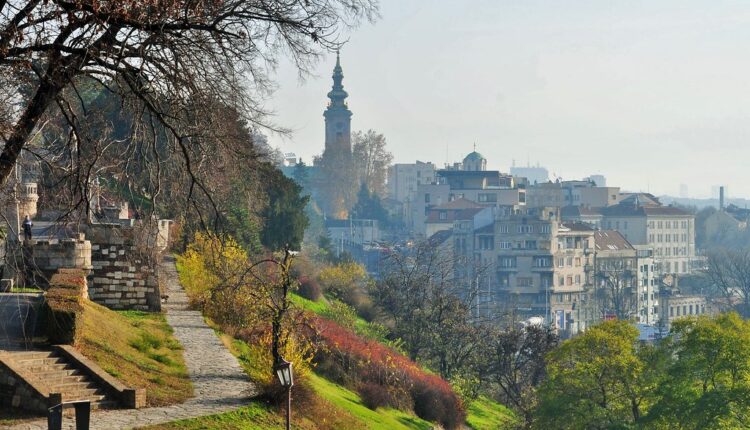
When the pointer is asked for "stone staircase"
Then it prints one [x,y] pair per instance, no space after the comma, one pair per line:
[54,374]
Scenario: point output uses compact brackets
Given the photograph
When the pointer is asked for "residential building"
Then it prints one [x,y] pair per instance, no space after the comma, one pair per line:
[675,306]
[528,263]
[442,217]
[668,230]
[572,193]
[625,283]
[403,179]
[534,174]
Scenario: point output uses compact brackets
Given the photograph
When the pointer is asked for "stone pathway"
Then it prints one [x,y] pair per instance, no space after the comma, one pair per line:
[219,382]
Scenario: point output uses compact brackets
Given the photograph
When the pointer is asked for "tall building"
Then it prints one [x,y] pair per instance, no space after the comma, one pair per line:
[336,185]
[338,117]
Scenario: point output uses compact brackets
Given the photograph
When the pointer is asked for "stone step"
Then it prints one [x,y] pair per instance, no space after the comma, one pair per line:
[46,368]
[83,393]
[25,355]
[28,362]
[70,386]
[59,374]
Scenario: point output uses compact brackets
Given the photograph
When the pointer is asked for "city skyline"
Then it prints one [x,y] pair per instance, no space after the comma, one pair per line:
[645,94]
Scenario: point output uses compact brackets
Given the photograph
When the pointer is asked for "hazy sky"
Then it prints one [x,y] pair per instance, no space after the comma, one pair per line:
[650,94]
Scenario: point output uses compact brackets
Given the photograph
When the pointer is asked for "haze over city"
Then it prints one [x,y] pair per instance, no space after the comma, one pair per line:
[650,95]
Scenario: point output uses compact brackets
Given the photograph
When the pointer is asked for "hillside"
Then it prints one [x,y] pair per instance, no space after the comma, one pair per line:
[137,348]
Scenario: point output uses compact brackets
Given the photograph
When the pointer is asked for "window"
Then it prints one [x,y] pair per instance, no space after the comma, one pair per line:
[561,262]
[544,228]
[508,262]
[659,225]
[542,261]
[659,238]
[530,244]
[504,228]
[525,228]
[525,281]
[651,237]
[427,197]
[560,281]
[578,261]
[486,243]
[569,280]
[684,267]
[676,237]
[650,224]
[506,245]
[569,262]
[691,309]
[484,198]
[671,311]
[668,237]
[578,279]
[443,215]
[625,226]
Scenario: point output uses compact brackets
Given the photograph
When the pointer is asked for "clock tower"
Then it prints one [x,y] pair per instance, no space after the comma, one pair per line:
[338,117]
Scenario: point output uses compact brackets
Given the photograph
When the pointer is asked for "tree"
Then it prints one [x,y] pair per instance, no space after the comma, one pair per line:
[369,206]
[300,174]
[596,380]
[428,309]
[616,293]
[371,160]
[336,183]
[516,364]
[707,385]
[284,215]
[729,272]
[171,61]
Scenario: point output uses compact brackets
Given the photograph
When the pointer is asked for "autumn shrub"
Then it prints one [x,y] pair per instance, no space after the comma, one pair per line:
[367,363]
[309,288]
[375,395]
[344,281]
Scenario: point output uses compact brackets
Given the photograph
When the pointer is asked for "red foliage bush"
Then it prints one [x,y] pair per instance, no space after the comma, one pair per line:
[375,395]
[309,288]
[376,364]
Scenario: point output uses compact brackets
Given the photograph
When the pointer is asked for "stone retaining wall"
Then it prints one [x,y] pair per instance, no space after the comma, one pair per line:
[124,274]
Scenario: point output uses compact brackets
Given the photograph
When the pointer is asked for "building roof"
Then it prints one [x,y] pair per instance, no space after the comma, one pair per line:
[577,226]
[457,204]
[575,211]
[439,237]
[631,209]
[474,156]
[610,240]
[433,216]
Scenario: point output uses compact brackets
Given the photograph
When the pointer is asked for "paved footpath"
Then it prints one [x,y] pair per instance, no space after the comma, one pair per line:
[219,383]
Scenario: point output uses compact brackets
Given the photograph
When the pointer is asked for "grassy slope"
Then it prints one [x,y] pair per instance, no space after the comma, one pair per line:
[481,414]
[484,414]
[139,349]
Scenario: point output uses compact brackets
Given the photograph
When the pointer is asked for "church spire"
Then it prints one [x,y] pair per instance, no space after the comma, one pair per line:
[337,94]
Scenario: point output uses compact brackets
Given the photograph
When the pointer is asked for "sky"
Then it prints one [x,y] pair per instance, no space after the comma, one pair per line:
[651,94]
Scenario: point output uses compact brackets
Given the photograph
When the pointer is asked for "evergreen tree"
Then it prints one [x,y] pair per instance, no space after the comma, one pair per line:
[285,219]
[369,206]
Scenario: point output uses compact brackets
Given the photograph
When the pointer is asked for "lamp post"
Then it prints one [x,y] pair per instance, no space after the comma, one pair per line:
[286,378]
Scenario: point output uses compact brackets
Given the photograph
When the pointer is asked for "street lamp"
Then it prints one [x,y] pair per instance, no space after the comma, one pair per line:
[286,378]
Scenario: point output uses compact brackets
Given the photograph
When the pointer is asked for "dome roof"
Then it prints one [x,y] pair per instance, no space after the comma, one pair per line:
[474,156]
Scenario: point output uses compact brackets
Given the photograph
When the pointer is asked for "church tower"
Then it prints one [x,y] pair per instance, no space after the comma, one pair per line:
[338,116]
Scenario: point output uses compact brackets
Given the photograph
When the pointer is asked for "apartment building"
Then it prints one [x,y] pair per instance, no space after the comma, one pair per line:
[404,178]
[625,282]
[527,262]
[571,193]
[668,230]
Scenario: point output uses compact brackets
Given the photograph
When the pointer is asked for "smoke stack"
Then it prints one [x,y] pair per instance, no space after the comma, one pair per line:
[721,198]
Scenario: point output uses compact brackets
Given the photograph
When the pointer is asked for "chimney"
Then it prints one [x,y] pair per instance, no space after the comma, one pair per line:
[721,198]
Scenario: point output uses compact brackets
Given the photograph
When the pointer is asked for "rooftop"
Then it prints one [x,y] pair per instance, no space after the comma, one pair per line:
[610,240]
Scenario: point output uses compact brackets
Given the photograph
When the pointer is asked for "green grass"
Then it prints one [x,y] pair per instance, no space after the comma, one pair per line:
[379,419]
[139,349]
[25,290]
[256,416]
[485,414]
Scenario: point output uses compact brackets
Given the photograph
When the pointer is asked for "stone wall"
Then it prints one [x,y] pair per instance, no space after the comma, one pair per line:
[46,257]
[17,392]
[124,272]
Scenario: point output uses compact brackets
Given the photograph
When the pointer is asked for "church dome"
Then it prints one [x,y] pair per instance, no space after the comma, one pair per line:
[474,156]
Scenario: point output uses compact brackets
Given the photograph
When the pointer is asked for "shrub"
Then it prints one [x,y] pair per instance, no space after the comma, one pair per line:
[310,289]
[368,364]
[375,395]
[340,313]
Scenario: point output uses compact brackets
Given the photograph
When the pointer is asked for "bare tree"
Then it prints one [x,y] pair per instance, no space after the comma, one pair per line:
[429,308]
[371,159]
[728,270]
[169,61]
[615,290]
